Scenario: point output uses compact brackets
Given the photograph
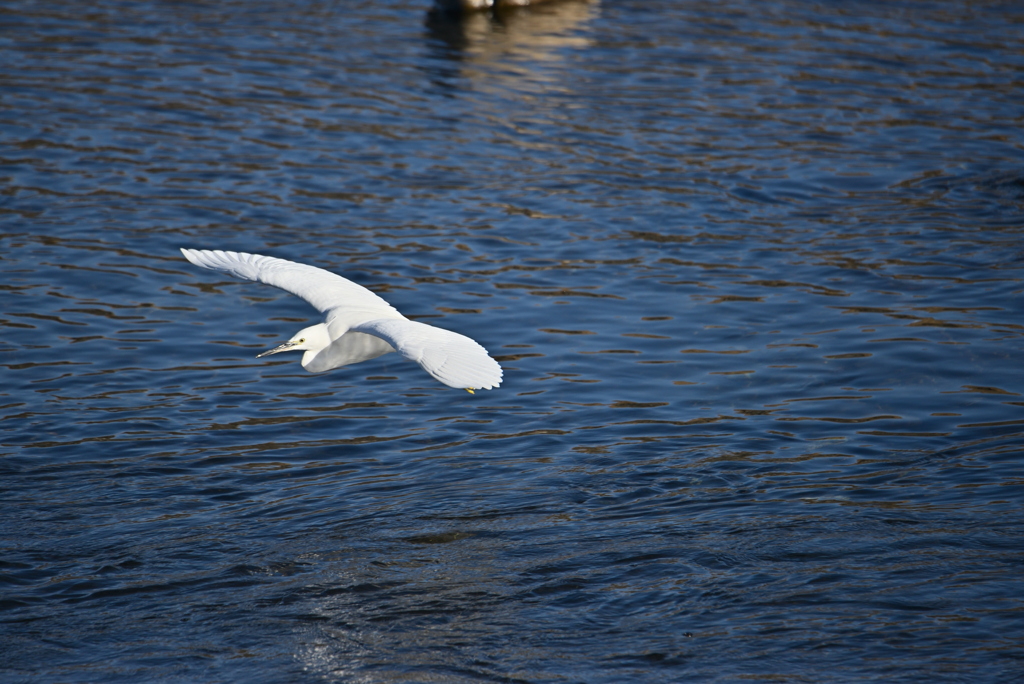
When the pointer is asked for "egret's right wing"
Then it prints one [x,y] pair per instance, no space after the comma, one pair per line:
[454,359]
[323,289]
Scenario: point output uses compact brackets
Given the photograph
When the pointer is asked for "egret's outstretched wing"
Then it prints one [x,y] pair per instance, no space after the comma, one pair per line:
[454,359]
[323,289]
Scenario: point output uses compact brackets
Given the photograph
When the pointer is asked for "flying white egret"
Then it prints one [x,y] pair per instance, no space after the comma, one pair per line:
[358,325]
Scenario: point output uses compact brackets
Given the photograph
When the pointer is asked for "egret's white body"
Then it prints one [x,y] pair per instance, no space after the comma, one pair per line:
[358,325]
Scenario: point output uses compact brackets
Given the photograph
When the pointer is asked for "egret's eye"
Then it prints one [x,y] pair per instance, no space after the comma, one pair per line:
[302,340]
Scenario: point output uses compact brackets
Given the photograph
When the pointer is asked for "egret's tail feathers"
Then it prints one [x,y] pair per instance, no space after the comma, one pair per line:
[449,357]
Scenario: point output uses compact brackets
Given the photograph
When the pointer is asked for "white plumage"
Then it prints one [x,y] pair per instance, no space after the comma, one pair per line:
[358,325]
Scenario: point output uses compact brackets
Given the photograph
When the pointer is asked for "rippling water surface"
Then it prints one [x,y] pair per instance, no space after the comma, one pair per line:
[754,272]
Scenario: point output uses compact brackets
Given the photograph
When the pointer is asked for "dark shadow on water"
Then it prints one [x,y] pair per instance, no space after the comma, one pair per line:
[503,31]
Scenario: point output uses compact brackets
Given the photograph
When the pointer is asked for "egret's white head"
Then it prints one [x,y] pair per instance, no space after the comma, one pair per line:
[312,339]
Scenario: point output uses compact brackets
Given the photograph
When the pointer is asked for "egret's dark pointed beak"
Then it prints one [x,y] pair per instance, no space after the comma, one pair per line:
[280,348]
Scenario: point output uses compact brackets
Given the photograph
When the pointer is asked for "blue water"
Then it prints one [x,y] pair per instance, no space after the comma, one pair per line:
[754,272]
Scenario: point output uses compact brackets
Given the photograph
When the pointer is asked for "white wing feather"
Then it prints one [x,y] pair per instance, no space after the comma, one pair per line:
[323,289]
[454,359]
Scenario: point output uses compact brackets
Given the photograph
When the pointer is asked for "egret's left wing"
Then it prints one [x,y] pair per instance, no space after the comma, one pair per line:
[323,289]
[454,359]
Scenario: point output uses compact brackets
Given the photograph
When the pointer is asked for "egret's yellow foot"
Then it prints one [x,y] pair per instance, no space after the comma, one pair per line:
[470,391]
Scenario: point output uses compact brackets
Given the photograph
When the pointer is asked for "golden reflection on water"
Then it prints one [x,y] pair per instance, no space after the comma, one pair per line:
[510,39]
